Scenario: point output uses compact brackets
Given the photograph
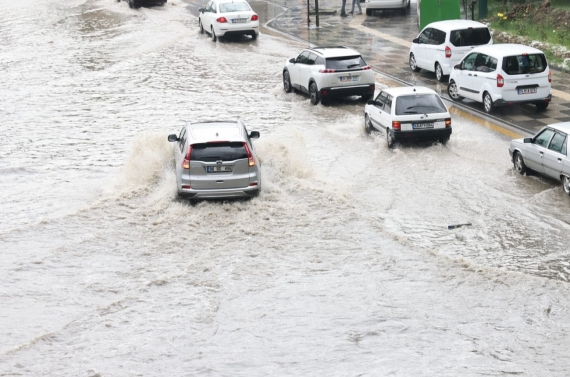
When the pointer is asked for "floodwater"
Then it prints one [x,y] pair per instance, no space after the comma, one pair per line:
[343,266]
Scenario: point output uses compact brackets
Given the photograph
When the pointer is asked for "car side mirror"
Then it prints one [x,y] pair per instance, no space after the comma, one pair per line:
[201,10]
[416,40]
[527,140]
[292,60]
[457,66]
[370,102]
[254,135]
[173,138]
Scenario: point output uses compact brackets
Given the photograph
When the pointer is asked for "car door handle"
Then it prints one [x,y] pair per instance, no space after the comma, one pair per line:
[475,75]
[469,74]
[559,160]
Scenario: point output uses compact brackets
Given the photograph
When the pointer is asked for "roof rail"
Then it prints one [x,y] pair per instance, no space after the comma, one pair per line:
[318,47]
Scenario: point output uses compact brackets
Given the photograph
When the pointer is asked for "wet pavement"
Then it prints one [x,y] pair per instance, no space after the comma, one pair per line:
[384,40]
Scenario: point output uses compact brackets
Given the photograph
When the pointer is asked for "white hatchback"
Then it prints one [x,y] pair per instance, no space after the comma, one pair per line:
[502,75]
[408,114]
[221,18]
[326,72]
[443,44]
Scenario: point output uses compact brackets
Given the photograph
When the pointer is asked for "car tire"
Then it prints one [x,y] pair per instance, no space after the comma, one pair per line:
[439,73]
[367,124]
[519,164]
[213,35]
[366,97]
[566,184]
[444,140]
[287,82]
[413,64]
[389,138]
[253,36]
[542,105]
[132,4]
[453,92]
[314,93]
[487,103]
[201,27]
[369,12]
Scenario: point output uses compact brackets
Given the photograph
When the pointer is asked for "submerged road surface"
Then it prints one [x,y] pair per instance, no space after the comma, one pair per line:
[343,266]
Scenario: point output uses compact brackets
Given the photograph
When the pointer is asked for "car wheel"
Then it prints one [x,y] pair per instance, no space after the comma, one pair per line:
[132,4]
[413,64]
[439,73]
[542,105]
[366,97]
[367,124]
[254,36]
[369,12]
[287,82]
[201,27]
[444,140]
[518,161]
[314,93]
[566,184]
[213,35]
[453,92]
[389,138]
[487,102]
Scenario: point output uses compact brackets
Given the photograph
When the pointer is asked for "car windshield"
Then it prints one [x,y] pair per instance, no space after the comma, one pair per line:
[212,152]
[345,62]
[419,104]
[470,37]
[524,63]
[234,7]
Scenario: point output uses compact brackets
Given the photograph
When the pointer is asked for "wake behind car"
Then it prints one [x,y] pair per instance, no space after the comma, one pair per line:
[327,72]
[221,18]
[408,114]
[545,153]
[216,160]
[502,75]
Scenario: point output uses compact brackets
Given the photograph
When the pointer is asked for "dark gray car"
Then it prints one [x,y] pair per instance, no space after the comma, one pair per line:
[216,160]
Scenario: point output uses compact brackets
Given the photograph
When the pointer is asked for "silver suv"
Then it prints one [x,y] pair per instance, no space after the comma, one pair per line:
[216,160]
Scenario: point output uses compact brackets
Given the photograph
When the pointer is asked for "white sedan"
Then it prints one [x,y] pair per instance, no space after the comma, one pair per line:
[221,18]
[545,153]
[408,114]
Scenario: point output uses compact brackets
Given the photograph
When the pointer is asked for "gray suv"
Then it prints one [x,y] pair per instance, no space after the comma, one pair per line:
[216,160]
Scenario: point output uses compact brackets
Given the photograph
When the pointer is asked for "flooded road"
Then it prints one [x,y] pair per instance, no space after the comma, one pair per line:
[343,266]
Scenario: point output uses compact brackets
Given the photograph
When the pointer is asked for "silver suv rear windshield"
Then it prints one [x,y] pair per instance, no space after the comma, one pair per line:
[528,63]
[470,37]
[419,104]
[345,62]
[212,152]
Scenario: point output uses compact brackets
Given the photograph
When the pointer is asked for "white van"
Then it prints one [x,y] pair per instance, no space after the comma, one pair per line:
[443,44]
[502,75]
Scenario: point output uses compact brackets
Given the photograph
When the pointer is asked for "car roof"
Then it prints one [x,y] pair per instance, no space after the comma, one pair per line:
[334,51]
[449,25]
[564,127]
[506,49]
[231,1]
[405,90]
[203,132]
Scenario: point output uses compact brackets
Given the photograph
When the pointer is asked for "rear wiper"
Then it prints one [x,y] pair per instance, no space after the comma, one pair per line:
[410,112]
[353,65]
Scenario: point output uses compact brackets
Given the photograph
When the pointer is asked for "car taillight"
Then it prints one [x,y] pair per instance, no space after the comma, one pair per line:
[222,20]
[448,123]
[500,81]
[396,125]
[254,17]
[326,70]
[366,67]
[251,161]
[186,162]
[447,52]
[549,76]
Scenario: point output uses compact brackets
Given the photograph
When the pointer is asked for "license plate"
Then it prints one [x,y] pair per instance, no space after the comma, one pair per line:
[419,126]
[218,169]
[239,20]
[348,78]
[527,91]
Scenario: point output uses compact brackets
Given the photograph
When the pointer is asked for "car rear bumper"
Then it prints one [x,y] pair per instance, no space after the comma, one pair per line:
[386,4]
[238,29]
[344,91]
[441,133]
[502,102]
[245,192]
